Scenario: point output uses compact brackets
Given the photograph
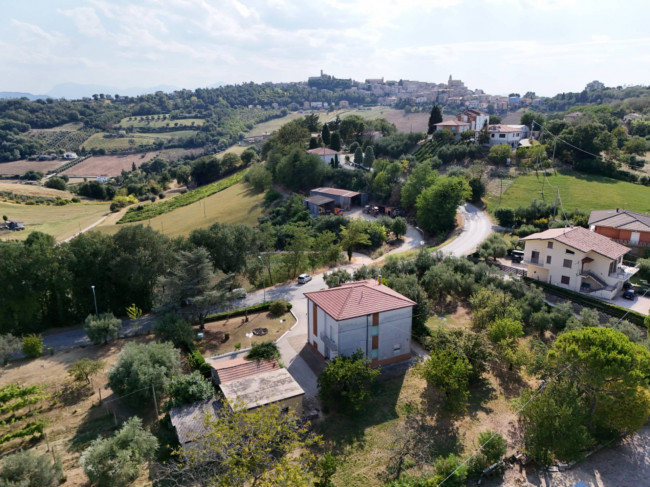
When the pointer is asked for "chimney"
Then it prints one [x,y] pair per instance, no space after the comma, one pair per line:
[379,279]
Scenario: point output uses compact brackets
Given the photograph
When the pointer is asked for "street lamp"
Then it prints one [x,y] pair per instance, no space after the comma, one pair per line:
[263,278]
[95,300]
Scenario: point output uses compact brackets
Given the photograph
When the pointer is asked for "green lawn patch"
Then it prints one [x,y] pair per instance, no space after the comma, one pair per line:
[582,191]
[150,211]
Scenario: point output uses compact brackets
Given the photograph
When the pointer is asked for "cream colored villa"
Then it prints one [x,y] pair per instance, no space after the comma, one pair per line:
[577,259]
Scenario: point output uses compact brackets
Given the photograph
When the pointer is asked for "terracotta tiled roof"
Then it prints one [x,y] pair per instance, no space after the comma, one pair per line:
[239,368]
[453,122]
[358,299]
[623,219]
[334,191]
[582,239]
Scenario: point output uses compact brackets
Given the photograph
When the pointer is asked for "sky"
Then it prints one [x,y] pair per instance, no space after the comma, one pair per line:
[500,46]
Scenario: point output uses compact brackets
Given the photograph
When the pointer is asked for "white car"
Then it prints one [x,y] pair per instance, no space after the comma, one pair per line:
[304,278]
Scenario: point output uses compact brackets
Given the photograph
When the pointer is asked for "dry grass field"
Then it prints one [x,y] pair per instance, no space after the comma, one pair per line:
[31,190]
[59,221]
[18,168]
[75,417]
[237,204]
[108,165]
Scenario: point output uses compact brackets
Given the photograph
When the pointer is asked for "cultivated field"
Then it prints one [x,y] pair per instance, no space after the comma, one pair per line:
[141,122]
[108,165]
[18,168]
[59,221]
[577,190]
[31,190]
[237,204]
[132,141]
[405,122]
[66,127]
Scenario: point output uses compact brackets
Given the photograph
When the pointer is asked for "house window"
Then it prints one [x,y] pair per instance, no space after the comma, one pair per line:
[397,347]
[548,259]
[534,257]
[570,252]
[493,136]
[565,280]
[374,354]
[567,263]
[549,245]
[502,136]
[612,267]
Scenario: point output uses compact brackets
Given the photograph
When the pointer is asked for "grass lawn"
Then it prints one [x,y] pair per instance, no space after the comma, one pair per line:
[137,123]
[59,221]
[237,204]
[213,342]
[97,141]
[582,191]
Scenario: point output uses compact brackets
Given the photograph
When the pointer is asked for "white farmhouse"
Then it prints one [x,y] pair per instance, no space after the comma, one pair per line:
[577,259]
[326,154]
[507,134]
[363,315]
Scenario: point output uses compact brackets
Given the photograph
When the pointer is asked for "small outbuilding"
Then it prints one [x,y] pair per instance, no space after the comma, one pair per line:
[274,387]
[342,198]
[189,421]
[319,205]
[228,369]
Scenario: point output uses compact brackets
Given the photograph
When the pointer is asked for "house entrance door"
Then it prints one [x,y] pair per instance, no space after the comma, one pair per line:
[634,238]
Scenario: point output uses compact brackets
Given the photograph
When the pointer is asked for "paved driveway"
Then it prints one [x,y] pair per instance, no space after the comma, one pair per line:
[640,304]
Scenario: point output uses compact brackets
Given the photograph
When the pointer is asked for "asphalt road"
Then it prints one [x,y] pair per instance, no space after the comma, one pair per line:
[476,228]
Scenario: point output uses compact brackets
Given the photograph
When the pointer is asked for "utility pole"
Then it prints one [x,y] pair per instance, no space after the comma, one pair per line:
[263,277]
[95,299]
[557,198]
[155,402]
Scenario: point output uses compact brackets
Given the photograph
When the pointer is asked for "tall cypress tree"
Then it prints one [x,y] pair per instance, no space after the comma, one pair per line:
[436,117]
[326,134]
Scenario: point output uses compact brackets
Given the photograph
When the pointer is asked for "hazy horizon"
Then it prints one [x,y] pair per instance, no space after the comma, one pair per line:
[500,46]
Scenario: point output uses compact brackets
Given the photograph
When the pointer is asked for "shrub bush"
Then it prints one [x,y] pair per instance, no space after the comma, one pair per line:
[172,327]
[101,328]
[141,366]
[264,350]
[346,383]
[33,346]
[116,461]
[25,469]
[278,308]
[189,388]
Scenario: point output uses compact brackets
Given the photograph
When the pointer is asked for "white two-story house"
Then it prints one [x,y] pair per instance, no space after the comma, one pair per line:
[577,259]
[363,315]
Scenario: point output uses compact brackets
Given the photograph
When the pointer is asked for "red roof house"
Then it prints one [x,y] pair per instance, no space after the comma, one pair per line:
[363,315]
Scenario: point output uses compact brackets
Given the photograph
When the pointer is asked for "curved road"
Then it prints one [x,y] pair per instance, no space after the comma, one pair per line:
[476,228]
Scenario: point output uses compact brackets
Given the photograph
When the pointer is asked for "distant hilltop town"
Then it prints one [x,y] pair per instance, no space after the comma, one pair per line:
[405,92]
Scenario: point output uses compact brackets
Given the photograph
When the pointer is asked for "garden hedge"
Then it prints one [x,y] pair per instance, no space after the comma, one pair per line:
[256,308]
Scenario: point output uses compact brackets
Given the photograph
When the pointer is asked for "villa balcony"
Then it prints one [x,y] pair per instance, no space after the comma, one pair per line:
[623,272]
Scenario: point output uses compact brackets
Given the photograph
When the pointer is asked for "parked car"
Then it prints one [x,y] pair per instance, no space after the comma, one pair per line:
[304,278]
[629,294]
[239,293]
